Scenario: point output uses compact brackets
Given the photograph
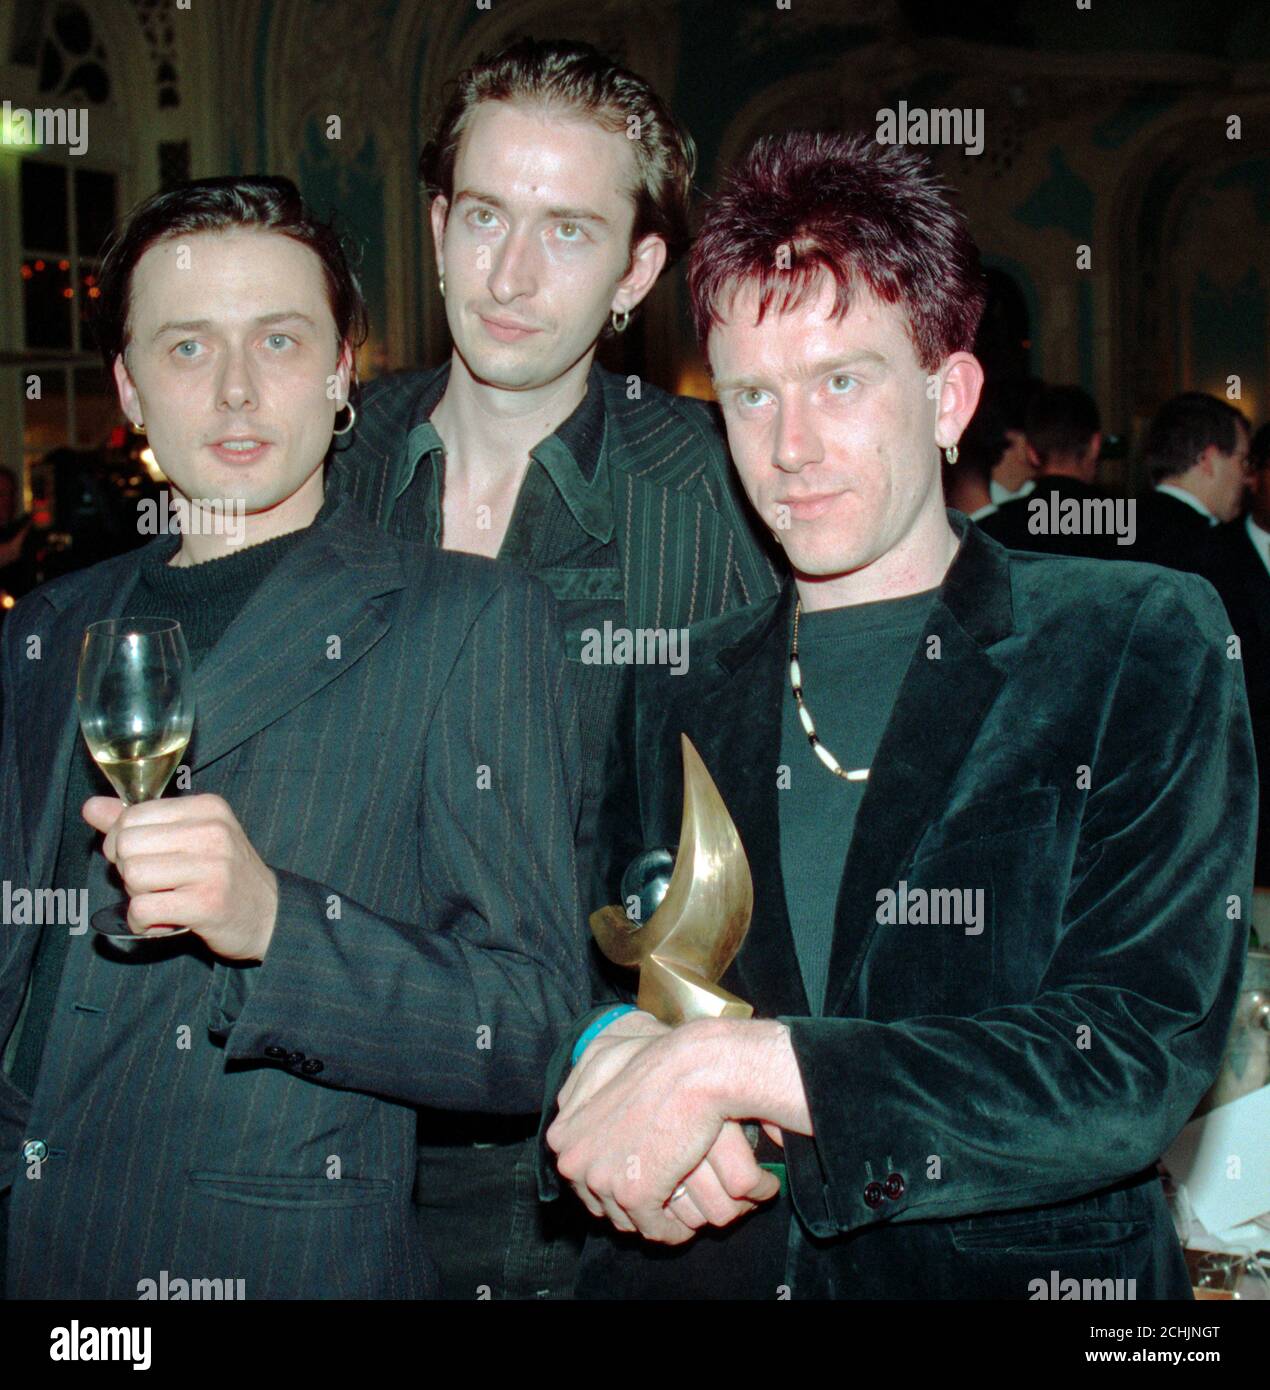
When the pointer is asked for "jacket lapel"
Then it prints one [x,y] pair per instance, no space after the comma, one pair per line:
[45,747]
[281,649]
[737,734]
[49,722]
[938,711]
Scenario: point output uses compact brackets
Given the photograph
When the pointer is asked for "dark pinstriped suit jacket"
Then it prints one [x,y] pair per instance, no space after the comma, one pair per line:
[664,489]
[662,534]
[428,948]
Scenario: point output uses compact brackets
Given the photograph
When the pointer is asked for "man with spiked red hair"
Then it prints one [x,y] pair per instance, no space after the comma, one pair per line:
[997,934]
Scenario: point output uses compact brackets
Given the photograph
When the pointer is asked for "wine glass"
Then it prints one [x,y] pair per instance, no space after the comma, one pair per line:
[136,708]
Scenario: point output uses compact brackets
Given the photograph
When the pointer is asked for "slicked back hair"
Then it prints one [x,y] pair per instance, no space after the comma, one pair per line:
[577,79]
[262,202]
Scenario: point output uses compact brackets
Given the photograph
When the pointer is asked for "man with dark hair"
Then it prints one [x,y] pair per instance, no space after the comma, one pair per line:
[1237,561]
[1065,513]
[559,189]
[1014,474]
[997,933]
[1196,452]
[968,479]
[372,871]
[990,447]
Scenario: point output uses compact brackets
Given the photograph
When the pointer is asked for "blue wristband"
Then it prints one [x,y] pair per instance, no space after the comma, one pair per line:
[596,1028]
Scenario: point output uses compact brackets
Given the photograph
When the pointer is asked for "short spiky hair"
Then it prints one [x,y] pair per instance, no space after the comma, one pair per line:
[849,209]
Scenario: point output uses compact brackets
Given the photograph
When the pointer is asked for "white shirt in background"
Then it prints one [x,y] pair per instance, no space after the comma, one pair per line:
[1001,495]
[1189,498]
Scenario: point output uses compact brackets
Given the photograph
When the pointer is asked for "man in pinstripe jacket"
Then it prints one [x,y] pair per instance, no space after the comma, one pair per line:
[560,188]
[375,861]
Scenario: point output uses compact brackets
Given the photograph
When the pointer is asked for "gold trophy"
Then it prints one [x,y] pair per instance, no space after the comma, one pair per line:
[686,945]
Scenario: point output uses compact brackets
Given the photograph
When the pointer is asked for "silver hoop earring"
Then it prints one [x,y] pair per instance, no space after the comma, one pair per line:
[352,418]
[441,285]
[950,455]
[613,319]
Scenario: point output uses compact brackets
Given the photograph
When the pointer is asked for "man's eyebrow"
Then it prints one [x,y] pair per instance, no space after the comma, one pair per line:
[201,325]
[559,214]
[866,357]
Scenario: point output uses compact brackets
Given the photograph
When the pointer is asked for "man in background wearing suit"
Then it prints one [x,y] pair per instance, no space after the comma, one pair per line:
[1238,564]
[1197,454]
[967,482]
[1014,473]
[998,934]
[1064,439]
[374,863]
[559,188]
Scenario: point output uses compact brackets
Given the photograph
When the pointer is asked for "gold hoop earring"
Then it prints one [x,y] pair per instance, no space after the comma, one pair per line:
[626,318]
[137,428]
[352,418]
[951,455]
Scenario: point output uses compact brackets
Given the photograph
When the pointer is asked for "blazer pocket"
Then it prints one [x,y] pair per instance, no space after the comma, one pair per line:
[1032,810]
[1038,1235]
[293,1193]
[582,585]
[309,1237]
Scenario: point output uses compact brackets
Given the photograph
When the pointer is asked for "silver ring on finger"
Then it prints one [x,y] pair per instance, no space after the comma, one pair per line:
[680,1191]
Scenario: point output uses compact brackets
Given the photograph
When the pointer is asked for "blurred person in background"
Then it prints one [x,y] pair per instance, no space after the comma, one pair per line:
[1238,564]
[1063,439]
[1196,452]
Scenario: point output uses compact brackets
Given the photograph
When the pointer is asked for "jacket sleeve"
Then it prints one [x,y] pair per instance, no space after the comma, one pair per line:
[461,1008]
[618,838]
[1089,1081]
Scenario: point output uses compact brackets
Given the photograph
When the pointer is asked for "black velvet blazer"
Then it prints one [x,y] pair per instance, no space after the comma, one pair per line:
[1072,739]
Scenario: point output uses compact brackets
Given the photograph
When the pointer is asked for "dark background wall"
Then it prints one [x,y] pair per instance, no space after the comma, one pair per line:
[1140,131]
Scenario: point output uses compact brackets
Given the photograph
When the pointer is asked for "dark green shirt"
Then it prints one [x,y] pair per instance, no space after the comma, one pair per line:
[561,530]
[853,660]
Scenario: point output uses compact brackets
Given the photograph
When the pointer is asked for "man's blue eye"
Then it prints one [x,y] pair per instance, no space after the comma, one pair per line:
[279,339]
[180,348]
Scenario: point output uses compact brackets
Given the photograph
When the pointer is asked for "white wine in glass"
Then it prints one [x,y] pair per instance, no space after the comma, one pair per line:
[136,709]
